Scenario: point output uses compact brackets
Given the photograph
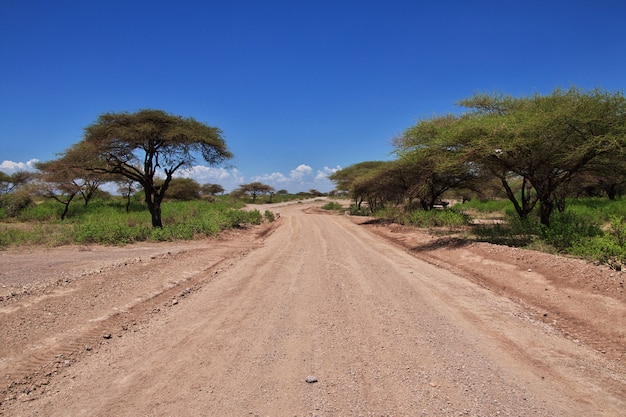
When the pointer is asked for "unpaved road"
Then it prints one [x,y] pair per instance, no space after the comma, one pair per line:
[233,327]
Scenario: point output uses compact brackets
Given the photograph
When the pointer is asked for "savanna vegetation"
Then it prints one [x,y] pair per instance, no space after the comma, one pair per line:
[553,164]
[544,171]
[136,148]
[108,220]
[63,202]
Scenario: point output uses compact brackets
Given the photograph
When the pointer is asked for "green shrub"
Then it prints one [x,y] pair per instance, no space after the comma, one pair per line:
[618,230]
[438,218]
[13,204]
[363,211]
[568,229]
[601,249]
[487,206]
[392,213]
[269,216]
[36,234]
[45,211]
[332,206]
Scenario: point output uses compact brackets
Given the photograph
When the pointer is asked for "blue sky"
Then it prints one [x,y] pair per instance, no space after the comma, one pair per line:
[299,88]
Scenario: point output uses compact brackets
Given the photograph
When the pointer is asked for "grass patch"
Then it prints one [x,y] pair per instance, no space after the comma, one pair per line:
[487,206]
[108,223]
[590,228]
[450,218]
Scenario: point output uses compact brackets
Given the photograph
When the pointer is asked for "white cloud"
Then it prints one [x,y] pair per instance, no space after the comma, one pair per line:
[301,172]
[229,178]
[325,172]
[9,167]
[299,179]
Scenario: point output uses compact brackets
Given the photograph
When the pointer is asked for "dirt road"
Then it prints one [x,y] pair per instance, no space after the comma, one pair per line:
[235,327]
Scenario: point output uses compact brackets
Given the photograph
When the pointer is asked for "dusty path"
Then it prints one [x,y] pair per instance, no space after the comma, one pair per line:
[235,331]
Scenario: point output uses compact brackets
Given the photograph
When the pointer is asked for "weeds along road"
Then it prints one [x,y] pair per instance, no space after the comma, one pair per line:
[384,334]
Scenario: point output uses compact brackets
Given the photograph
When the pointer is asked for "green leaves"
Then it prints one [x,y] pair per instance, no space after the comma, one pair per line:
[136,145]
[534,147]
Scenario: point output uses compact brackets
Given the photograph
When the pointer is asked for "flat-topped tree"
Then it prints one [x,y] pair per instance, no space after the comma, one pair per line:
[136,145]
[254,189]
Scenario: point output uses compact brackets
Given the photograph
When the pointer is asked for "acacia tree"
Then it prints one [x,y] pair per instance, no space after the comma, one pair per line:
[604,176]
[68,176]
[126,188]
[184,189]
[543,140]
[16,191]
[10,183]
[58,185]
[432,163]
[352,180]
[253,189]
[137,145]
[211,189]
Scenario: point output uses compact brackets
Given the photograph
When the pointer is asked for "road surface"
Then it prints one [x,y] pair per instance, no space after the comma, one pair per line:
[377,331]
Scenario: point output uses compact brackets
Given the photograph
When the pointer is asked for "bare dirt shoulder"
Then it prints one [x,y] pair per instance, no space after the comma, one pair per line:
[58,305]
[584,301]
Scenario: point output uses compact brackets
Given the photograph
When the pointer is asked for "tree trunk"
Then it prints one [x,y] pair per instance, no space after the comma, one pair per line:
[611,192]
[65,203]
[545,210]
[527,202]
[154,205]
[67,206]
[156,216]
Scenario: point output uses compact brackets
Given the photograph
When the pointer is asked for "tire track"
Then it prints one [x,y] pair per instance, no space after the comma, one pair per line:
[29,357]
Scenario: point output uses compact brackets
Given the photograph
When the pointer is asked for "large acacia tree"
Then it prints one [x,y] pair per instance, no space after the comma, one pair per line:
[544,141]
[138,145]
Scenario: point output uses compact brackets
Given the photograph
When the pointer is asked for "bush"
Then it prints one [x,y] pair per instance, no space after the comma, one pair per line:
[13,204]
[488,206]
[109,233]
[269,216]
[608,248]
[568,229]
[363,211]
[438,218]
[618,230]
[332,206]
[37,234]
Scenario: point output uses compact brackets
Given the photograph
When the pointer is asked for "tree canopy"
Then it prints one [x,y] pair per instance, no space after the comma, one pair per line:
[537,147]
[12,182]
[546,141]
[146,144]
[253,189]
[183,189]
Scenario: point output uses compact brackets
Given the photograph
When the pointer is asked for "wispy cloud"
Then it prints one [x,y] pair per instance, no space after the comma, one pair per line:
[227,178]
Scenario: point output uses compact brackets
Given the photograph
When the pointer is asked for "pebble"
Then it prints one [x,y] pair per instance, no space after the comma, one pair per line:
[311,379]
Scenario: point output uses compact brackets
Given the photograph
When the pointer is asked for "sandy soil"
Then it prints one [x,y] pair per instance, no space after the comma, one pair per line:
[383,320]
